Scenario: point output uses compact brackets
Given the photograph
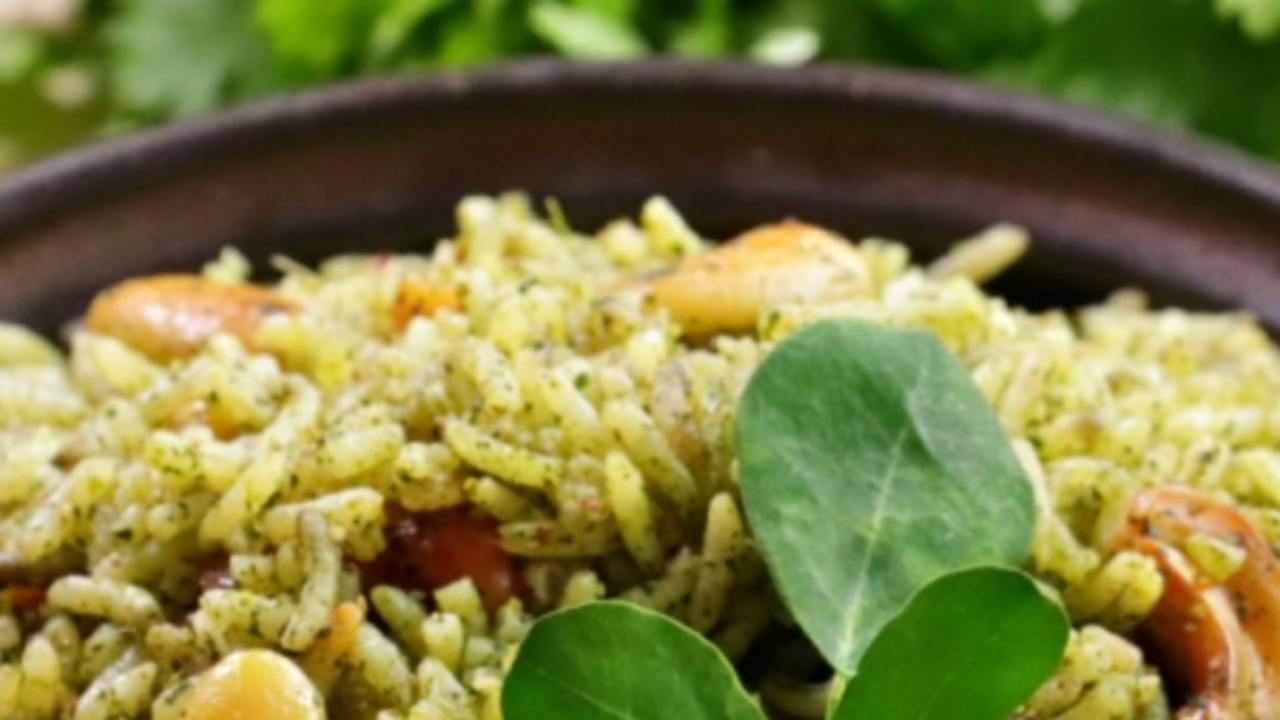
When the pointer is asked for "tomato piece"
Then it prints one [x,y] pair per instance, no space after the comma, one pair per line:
[23,598]
[428,550]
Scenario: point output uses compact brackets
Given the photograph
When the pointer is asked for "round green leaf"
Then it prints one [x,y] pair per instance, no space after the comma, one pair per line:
[616,661]
[871,465]
[972,645]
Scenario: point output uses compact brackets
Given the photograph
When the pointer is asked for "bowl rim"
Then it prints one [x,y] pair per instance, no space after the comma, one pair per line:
[31,193]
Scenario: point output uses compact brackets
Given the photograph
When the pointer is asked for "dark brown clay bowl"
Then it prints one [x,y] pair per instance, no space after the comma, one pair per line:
[381,165]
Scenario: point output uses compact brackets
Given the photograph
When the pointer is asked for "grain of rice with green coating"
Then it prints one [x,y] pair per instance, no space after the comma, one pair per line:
[359,487]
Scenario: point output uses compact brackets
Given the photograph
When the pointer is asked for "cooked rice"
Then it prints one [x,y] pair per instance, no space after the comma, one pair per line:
[572,414]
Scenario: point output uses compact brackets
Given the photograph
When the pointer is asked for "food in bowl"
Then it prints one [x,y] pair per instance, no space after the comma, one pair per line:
[351,493]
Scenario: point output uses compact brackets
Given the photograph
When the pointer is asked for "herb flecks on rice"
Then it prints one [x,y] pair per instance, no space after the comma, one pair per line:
[275,484]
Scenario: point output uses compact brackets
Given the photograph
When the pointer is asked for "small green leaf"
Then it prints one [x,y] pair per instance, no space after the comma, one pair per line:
[1260,19]
[786,46]
[395,25]
[1225,87]
[470,39]
[972,645]
[962,35]
[173,58]
[619,10]
[706,34]
[21,52]
[871,465]
[322,36]
[584,34]
[615,661]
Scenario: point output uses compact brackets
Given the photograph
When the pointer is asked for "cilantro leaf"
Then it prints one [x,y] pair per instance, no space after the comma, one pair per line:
[173,58]
[476,37]
[1214,82]
[21,52]
[586,33]
[965,34]
[1260,19]
[786,46]
[706,33]
[394,28]
[324,37]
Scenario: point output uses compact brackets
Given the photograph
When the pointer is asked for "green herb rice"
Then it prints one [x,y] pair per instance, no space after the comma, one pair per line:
[886,494]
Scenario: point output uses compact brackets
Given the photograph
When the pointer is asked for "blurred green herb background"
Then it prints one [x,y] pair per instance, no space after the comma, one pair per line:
[75,70]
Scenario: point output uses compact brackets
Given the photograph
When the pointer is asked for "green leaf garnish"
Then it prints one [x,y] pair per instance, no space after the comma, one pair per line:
[991,28]
[1090,59]
[585,33]
[1260,19]
[611,660]
[871,465]
[321,36]
[972,645]
[394,28]
[173,59]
